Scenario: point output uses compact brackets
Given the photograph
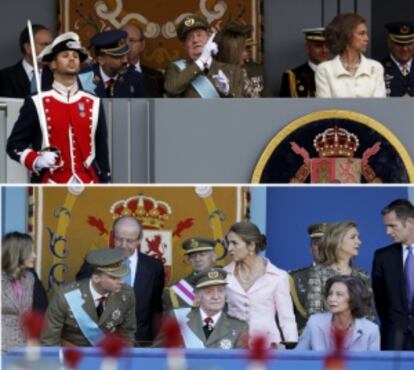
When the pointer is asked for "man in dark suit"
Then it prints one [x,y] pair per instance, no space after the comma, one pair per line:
[299,82]
[15,81]
[153,79]
[393,278]
[398,66]
[110,77]
[146,278]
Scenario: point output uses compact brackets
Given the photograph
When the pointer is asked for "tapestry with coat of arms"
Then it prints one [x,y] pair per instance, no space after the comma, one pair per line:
[69,222]
[158,19]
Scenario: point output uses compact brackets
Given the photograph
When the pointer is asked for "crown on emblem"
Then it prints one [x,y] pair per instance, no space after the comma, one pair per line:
[336,142]
[150,212]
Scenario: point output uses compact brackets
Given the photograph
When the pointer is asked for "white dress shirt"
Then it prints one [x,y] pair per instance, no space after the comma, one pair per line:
[215,318]
[95,295]
[133,263]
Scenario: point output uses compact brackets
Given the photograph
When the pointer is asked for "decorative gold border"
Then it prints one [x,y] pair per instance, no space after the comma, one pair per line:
[329,114]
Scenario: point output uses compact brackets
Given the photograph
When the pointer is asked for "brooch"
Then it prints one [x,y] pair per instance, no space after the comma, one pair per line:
[225,343]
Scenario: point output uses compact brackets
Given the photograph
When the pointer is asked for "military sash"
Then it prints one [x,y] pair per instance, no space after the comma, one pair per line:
[86,80]
[201,83]
[190,339]
[185,291]
[89,328]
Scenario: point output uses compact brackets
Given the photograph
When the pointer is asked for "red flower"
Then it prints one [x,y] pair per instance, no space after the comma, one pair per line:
[33,322]
[112,345]
[72,356]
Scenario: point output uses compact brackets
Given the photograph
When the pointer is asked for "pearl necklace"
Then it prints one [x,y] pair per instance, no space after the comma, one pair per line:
[350,68]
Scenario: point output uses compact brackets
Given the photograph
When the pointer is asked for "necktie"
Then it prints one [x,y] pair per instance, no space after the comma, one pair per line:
[33,87]
[100,307]
[127,278]
[409,275]
[109,89]
[404,70]
[208,326]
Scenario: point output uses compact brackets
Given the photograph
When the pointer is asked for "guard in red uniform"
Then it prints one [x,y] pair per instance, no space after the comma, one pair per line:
[61,134]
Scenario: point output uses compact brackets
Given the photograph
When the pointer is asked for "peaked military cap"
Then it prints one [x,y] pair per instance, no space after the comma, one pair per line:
[191,22]
[108,260]
[211,277]
[65,41]
[401,32]
[239,29]
[316,34]
[112,42]
[317,230]
[198,245]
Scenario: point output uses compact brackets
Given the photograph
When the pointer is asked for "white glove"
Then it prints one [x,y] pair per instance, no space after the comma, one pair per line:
[209,49]
[45,160]
[222,82]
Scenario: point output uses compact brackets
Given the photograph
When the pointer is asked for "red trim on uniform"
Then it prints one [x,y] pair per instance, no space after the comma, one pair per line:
[30,159]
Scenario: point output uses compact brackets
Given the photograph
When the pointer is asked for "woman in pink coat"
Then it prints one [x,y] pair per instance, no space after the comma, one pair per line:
[257,291]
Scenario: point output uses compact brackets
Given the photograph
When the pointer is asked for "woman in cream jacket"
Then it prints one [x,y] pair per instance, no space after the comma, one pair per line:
[349,74]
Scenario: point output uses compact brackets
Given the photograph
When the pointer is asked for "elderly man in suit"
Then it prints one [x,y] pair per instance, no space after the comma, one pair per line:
[81,313]
[398,66]
[393,278]
[209,326]
[17,81]
[201,257]
[153,79]
[146,277]
[200,75]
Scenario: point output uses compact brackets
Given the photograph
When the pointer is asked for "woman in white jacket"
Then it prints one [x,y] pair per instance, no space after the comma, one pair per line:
[349,74]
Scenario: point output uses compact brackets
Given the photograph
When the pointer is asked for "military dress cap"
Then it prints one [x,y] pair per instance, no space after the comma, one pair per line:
[401,32]
[211,277]
[190,22]
[65,41]
[112,42]
[316,34]
[317,230]
[239,29]
[193,245]
[108,260]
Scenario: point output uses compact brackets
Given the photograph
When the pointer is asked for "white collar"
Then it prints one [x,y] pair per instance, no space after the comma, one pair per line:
[67,91]
[399,65]
[137,66]
[95,294]
[133,258]
[339,69]
[215,317]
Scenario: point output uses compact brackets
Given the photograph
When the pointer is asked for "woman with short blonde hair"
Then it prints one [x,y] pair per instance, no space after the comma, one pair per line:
[338,248]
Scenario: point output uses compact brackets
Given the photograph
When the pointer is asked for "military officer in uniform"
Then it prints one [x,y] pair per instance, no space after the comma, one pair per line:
[208,326]
[200,75]
[298,279]
[398,66]
[61,134]
[299,82]
[110,76]
[82,312]
[201,256]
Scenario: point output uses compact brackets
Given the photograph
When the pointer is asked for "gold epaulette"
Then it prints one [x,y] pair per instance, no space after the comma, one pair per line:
[292,84]
[295,298]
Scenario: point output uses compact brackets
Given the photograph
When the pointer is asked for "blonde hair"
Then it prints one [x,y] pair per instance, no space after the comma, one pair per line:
[16,249]
[331,240]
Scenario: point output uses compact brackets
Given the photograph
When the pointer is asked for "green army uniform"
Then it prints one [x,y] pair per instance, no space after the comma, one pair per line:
[299,280]
[228,332]
[170,299]
[72,310]
[178,83]
[255,71]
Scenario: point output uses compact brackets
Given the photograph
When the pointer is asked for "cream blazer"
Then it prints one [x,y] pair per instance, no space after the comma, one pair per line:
[258,306]
[334,81]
